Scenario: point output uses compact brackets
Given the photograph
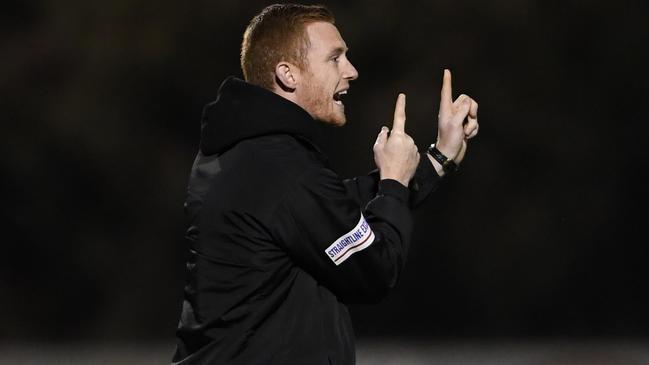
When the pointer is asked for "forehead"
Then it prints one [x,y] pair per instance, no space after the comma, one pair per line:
[324,38]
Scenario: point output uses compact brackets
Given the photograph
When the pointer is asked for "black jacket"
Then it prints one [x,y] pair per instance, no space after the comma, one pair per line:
[278,242]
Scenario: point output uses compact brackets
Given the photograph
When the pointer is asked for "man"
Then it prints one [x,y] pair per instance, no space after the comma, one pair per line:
[279,243]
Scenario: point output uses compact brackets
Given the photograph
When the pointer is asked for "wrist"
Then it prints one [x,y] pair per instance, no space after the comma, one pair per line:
[394,188]
[445,150]
[399,180]
[436,165]
[447,164]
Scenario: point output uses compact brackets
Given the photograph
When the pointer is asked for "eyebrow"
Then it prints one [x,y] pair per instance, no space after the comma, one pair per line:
[337,52]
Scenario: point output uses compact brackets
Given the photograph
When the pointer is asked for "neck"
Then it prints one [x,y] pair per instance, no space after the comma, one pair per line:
[288,94]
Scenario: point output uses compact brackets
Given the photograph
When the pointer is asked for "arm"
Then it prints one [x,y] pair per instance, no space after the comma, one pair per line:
[357,252]
[424,182]
[457,123]
[397,158]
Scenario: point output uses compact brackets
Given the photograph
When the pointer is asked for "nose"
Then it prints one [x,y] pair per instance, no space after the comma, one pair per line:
[350,72]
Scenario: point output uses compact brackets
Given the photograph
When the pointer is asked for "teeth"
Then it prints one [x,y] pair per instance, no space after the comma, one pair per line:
[338,95]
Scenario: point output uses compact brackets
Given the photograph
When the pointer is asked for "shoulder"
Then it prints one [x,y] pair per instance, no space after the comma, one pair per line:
[282,153]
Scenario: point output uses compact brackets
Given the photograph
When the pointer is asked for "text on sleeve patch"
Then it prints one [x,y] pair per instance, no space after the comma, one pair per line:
[359,238]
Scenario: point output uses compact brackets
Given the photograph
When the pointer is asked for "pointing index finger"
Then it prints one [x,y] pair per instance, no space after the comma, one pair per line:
[446,100]
[399,123]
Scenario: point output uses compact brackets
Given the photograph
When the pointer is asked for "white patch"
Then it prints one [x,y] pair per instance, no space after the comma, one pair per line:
[359,238]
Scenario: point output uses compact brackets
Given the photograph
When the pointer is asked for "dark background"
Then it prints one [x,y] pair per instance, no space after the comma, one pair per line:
[542,233]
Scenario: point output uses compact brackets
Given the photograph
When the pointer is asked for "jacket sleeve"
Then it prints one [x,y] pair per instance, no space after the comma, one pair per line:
[356,251]
[425,181]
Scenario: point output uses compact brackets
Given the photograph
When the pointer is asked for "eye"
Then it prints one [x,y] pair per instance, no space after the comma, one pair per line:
[336,59]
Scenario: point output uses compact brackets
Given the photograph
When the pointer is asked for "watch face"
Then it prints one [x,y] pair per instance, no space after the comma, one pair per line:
[449,165]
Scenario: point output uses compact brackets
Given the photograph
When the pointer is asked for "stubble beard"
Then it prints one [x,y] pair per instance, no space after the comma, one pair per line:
[321,105]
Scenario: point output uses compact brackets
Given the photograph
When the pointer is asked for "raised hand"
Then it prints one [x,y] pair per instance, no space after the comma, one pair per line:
[396,155]
[457,121]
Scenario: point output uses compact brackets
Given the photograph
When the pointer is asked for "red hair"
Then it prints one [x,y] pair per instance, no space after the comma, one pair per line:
[278,34]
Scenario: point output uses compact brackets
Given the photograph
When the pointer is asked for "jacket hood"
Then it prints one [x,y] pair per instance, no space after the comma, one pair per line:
[242,111]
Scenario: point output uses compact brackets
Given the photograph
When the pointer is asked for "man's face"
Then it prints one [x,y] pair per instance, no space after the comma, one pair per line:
[327,75]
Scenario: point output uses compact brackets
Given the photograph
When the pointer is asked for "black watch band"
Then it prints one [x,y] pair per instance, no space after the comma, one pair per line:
[448,165]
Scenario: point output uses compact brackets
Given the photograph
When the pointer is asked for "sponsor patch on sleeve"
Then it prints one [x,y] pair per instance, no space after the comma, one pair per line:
[359,238]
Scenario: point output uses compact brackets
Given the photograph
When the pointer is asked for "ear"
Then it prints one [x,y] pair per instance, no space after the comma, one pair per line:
[287,76]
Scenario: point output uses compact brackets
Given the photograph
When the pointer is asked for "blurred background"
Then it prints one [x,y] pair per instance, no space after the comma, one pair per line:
[538,243]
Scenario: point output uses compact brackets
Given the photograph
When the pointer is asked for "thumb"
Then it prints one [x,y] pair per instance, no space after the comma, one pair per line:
[382,138]
[462,111]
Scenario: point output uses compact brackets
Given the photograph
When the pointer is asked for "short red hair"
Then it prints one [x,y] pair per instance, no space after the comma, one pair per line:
[278,34]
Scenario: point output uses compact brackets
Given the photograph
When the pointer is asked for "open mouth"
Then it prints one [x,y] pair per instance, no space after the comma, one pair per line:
[338,97]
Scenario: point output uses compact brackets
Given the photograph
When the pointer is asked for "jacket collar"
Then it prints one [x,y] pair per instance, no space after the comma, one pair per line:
[242,111]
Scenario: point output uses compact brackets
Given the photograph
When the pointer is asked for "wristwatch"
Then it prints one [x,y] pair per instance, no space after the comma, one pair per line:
[448,165]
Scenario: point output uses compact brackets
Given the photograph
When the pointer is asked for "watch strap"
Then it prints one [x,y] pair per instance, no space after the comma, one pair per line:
[448,165]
